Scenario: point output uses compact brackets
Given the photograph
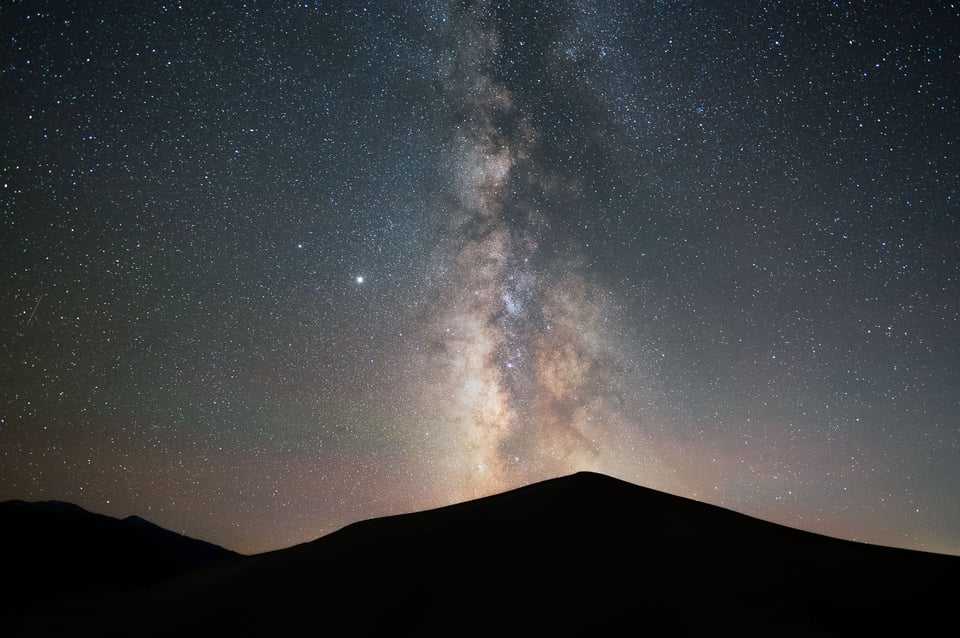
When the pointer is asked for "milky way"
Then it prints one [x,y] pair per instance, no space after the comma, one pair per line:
[520,358]
[272,269]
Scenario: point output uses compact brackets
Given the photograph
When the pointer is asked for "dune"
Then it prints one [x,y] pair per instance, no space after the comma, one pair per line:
[579,554]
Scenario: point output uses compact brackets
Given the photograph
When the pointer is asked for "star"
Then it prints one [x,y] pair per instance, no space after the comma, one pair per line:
[591,249]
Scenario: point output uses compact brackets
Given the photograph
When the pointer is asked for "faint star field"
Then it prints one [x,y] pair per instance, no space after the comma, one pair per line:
[272,268]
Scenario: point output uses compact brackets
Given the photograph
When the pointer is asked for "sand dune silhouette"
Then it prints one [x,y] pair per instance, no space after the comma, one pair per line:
[579,554]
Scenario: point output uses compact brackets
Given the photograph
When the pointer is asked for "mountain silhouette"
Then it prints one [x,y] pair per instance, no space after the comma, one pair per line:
[57,554]
[584,554]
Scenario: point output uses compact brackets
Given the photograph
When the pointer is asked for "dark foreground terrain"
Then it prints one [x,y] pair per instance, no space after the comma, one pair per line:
[585,554]
[56,556]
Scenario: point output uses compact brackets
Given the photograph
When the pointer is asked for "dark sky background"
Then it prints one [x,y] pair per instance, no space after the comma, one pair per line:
[268,269]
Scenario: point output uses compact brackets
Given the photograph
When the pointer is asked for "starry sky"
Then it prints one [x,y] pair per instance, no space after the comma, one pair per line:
[272,268]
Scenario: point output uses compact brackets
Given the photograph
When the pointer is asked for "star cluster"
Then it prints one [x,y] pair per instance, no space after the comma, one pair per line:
[272,268]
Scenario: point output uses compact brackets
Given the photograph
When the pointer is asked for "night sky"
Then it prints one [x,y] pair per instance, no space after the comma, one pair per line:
[272,268]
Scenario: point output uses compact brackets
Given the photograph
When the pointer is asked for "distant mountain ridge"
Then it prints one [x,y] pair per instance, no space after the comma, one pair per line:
[584,554]
[54,552]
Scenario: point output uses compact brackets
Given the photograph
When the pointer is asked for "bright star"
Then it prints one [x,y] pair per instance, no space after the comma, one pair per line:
[360,279]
